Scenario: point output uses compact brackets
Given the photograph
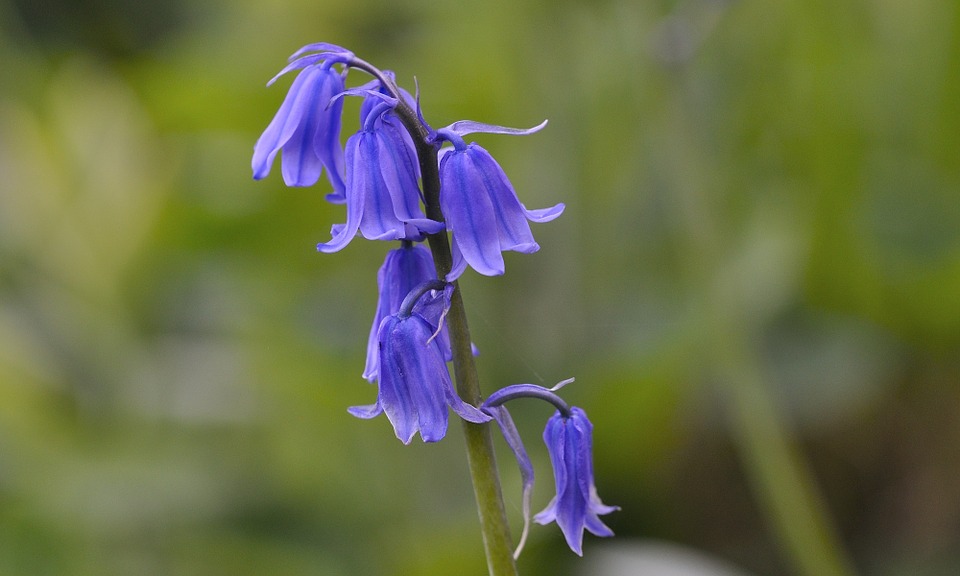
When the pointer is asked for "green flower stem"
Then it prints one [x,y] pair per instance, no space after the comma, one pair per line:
[483,466]
[775,467]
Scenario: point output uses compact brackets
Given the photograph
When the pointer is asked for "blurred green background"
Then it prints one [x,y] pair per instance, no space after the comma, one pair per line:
[756,284]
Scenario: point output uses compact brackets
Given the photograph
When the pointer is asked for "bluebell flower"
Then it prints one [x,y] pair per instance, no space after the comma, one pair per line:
[403,270]
[576,506]
[414,384]
[382,194]
[480,205]
[307,125]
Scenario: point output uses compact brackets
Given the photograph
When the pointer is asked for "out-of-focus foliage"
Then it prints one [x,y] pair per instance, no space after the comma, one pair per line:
[756,191]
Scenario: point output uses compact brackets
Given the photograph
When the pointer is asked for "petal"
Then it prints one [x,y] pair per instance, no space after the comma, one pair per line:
[284,123]
[514,231]
[470,213]
[403,269]
[385,283]
[327,141]
[464,127]
[400,168]
[597,527]
[459,264]
[379,222]
[569,508]
[433,307]
[512,437]
[548,514]
[321,47]
[299,163]
[395,397]
[542,215]
[425,374]
[466,411]
[397,164]
[553,437]
[366,412]
[355,208]
[297,65]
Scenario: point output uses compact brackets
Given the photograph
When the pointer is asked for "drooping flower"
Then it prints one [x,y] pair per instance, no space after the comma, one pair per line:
[414,384]
[307,126]
[494,406]
[576,506]
[382,195]
[480,205]
[403,270]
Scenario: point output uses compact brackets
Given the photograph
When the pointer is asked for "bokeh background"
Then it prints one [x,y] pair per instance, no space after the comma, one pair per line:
[756,284]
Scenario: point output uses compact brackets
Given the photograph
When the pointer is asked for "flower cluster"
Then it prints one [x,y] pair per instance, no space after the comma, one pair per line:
[381,176]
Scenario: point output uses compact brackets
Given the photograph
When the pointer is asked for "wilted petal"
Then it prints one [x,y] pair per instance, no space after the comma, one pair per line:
[512,437]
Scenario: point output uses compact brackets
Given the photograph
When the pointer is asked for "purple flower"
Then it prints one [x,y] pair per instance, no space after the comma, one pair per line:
[403,270]
[382,195]
[576,506]
[414,384]
[480,205]
[307,125]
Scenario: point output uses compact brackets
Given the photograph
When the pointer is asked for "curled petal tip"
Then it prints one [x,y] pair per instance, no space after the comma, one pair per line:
[562,383]
[321,47]
[464,127]
[542,215]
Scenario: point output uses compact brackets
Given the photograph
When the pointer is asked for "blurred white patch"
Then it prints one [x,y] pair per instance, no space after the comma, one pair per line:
[653,558]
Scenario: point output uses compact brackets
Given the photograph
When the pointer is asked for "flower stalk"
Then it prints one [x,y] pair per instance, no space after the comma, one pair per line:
[497,542]
[420,323]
